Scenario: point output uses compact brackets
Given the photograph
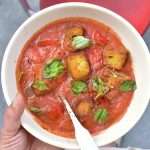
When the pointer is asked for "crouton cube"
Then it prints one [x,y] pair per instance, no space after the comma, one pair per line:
[78,66]
[114,59]
[83,108]
[75,31]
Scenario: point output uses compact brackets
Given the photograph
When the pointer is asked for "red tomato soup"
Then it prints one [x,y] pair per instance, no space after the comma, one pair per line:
[83,60]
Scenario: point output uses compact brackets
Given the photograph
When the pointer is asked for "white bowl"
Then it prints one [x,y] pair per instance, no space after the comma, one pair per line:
[129,36]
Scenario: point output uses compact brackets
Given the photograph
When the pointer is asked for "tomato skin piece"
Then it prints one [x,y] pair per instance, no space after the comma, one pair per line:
[33,55]
[66,124]
[112,94]
[100,39]
[48,42]
[55,112]
[104,102]
[95,57]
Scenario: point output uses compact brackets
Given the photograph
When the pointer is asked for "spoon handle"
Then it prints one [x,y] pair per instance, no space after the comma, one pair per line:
[82,135]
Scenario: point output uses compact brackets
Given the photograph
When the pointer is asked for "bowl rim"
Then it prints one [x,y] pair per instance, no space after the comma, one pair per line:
[51,8]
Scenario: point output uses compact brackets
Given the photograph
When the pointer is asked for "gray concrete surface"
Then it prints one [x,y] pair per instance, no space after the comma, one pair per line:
[11,17]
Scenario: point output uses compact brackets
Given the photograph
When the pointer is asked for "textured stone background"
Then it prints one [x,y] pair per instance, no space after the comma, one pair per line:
[11,17]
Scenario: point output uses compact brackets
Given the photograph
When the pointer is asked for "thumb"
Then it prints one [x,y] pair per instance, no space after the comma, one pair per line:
[12,116]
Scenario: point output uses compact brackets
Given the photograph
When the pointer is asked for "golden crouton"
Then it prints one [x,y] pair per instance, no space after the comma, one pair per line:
[114,59]
[75,31]
[78,66]
[83,108]
[70,33]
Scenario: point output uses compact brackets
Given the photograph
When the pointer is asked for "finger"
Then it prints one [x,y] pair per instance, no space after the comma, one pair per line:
[12,116]
[39,145]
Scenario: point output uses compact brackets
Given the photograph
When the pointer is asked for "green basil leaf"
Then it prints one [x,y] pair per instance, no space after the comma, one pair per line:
[100,87]
[80,42]
[101,115]
[40,85]
[35,109]
[53,69]
[128,85]
[79,87]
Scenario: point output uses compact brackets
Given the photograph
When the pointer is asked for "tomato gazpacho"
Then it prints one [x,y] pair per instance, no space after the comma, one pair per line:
[86,62]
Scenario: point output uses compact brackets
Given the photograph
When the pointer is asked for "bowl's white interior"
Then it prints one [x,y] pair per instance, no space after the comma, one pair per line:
[128,35]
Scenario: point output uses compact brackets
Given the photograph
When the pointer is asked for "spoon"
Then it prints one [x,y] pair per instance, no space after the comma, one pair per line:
[83,137]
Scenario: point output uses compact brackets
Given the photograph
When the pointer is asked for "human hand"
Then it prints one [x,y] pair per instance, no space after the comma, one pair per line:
[13,136]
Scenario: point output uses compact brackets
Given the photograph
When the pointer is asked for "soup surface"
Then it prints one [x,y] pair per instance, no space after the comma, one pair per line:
[83,60]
